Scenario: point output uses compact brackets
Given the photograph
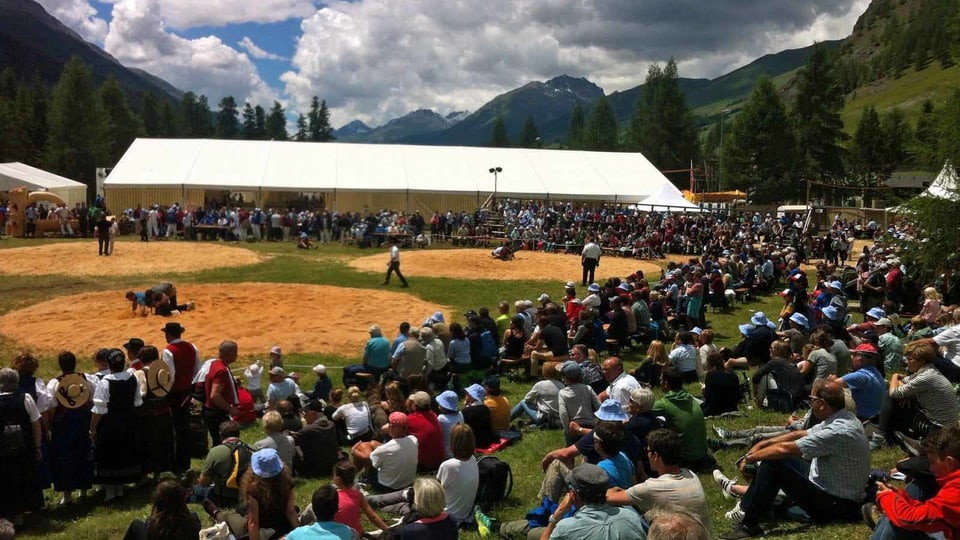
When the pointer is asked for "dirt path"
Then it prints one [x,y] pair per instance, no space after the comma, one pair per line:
[129,258]
[299,318]
[478,264]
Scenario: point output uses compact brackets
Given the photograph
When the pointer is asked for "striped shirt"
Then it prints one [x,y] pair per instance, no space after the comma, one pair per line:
[840,455]
[933,392]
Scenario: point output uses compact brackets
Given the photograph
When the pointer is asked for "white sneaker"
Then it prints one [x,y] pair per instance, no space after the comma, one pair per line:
[726,484]
[191,305]
[736,514]
[175,312]
[722,433]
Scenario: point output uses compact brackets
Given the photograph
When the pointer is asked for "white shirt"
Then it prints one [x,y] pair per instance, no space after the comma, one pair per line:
[436,356]
[201,374]
[621,387]
[591,301]
[253,373]
[53,385]
[459,480]
[949,339]
[396,462]
[591,251]
[101,396]
[44,399]
[394,254]
[356,416]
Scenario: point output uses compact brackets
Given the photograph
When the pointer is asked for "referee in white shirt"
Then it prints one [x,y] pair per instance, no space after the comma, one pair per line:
[590,260]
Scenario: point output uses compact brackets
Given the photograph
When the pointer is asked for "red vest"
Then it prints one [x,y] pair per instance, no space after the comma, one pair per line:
[184,362]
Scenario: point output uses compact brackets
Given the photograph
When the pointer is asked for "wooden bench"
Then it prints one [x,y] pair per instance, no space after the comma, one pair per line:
[741,294]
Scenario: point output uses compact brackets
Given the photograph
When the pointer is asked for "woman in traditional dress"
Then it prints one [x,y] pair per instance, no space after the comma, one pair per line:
[19,449]
[156,422]
[71,461]
[26,366]
[114,427]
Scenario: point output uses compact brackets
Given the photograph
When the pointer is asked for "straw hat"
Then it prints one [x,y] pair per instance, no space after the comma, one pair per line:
[159,378]
[74,391]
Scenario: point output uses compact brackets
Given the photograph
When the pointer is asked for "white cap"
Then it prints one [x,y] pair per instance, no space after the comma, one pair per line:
[319,369]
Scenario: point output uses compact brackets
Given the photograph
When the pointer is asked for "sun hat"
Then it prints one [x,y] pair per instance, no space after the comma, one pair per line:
[594,288]
[543,297]
[760,319]
[800,319]
[277,370]
[611,410]
[275,350]
[159,378]
[588,480]
[745,328]
[570,285]
[266,463]
[830,312]
[319,369]
[834,285]
[624,287]
[876,313]
[884,322]
[448,400]
[74,391]
[421,399]
[476,391]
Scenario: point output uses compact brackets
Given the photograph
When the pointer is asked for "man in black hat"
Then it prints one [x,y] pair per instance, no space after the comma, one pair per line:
[133,346]
[183,358]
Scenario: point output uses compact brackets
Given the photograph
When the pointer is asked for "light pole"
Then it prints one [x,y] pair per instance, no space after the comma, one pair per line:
[495,171]
[722,114]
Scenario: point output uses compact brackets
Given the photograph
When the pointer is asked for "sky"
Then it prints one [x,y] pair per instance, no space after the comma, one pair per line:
[375,60]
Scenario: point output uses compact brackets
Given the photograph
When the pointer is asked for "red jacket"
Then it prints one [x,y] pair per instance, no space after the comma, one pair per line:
[939,514]
[425,427]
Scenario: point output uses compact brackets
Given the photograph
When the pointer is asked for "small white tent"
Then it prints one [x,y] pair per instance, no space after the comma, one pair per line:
[16,175]
[397,176]
[945,186]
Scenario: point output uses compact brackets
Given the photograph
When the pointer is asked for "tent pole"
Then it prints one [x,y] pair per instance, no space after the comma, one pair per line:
[408,201]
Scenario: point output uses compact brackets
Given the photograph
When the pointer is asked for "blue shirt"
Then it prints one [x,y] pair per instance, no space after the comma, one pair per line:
[141,298]
[619,469]
[377,353]
[322,530]
[459,351]
[868,388]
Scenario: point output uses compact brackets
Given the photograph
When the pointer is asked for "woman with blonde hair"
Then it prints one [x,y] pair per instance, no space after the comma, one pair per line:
[355,416]
[706,347]
[395,400]
[429,502]
[650,368]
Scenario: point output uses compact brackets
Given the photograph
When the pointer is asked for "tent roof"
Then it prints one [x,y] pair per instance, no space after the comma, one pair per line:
[294,166]
[945,186]
[15,174]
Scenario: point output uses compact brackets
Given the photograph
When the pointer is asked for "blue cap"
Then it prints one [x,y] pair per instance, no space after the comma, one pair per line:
[876,313]
[449,400]
[830,312]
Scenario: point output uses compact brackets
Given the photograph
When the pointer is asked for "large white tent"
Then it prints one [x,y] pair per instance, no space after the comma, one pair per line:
[945,185]
[16,175]
[397,176]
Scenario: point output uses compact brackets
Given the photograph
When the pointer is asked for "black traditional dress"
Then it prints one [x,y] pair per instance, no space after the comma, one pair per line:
[18,464]
[117,460]
[158,438]
[71,456]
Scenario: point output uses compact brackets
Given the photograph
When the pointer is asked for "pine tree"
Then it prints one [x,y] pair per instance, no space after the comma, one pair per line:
[122,124]
[816,115]
[150,115]
[277,123]
[188,106]
[324,129]
[529,134]
[261,122]
[169,125]
[303,132]
[601,132]
[203,118]
[30,112]
[896,138]
[498,138]
[227,127]
[249,128]
[313,119]
[867,152]
[76,144]
[759,151]
[949,131]
[577,123]
[925,149]
[661,126]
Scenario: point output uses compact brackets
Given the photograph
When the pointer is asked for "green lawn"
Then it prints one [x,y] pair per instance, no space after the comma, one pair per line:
[287,265]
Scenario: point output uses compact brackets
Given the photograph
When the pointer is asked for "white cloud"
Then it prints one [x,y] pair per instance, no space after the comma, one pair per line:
[80,16]
[248,45]
[138,38]
[182,14]
[377,59]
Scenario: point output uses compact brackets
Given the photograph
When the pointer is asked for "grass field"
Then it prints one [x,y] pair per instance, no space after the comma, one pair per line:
[325,266]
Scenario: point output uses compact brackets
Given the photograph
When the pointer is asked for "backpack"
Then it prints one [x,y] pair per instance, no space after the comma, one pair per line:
[488,347]
[496,481]
[240,454]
